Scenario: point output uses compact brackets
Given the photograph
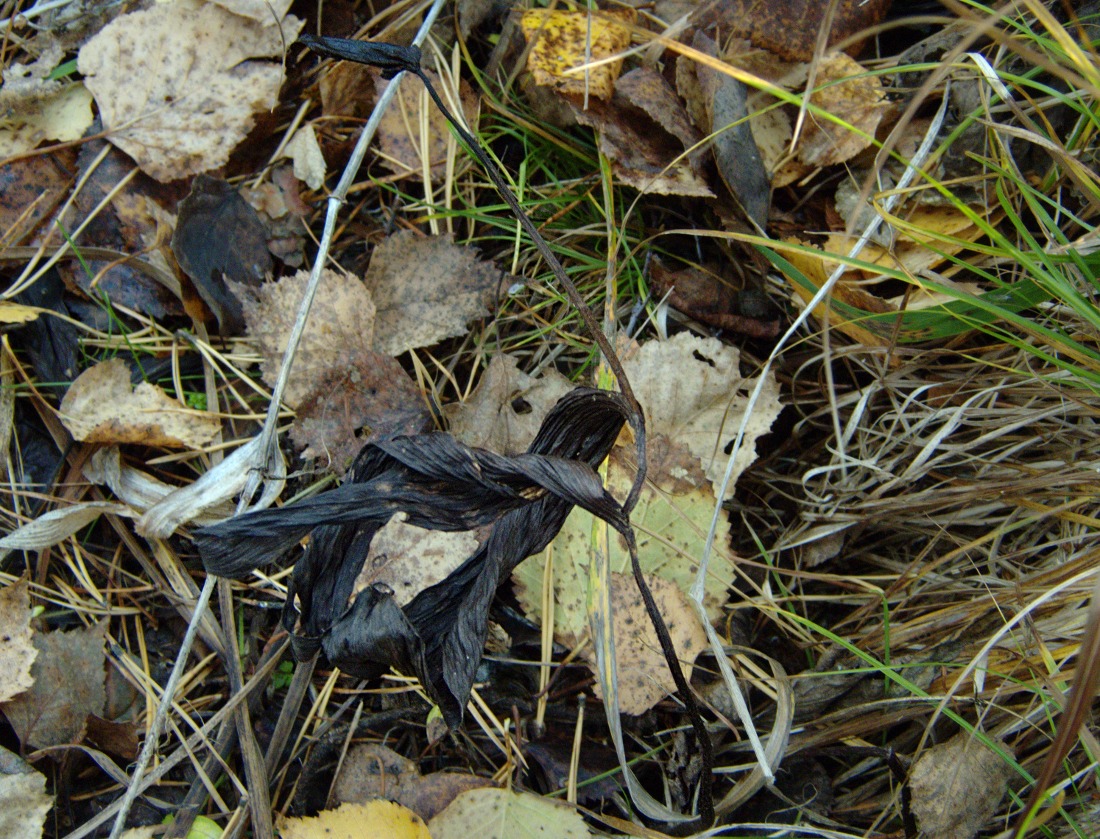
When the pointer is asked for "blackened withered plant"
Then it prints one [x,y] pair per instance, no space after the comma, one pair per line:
[441,484]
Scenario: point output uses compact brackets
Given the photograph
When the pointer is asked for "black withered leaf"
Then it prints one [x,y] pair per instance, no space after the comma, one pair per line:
[439,484]
[218,236]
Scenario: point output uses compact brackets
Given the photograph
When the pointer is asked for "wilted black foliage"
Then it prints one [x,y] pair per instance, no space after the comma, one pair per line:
[439,484]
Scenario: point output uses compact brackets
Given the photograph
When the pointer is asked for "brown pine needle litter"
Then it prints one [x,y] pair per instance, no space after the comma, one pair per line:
[910,609]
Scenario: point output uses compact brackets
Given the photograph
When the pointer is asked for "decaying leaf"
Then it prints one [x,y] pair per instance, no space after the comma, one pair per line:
[644,678]
[103,407]
[504,814]
[401,139]
[373,771]
[24,796]
[441,485]
[790,28]
[725,103]
[642,154]
[559,41]
[350,821]
[845,90]
[957,787]
[219,237]
[68,685]
[193,104]
[709,298]
[341,323]
[504,413]
[701,406]
[363,396]
[426,288]
[17,653]
[347,90]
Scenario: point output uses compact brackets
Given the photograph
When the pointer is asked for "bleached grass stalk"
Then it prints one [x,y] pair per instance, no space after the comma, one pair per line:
[266,456]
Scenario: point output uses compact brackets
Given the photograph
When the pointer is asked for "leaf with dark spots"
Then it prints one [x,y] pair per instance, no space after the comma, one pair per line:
[219,236]
[363,397]
[439,484]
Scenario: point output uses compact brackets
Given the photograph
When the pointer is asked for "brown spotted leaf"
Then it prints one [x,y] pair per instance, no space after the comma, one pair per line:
[103,407]
[179,84]
[340,325]
[68,686]
[17,653]
[426,288]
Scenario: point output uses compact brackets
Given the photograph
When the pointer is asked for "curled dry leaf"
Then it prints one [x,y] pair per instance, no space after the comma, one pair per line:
[103,407]
[17,653]
[441,485]
[559,45]
[139,490]
[426,288]
[194,104]
[52,527]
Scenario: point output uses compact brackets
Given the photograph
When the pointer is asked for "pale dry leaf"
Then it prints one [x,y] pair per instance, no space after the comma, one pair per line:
[102,406]
[16,312]
[504,814]
[352,821]
[17,653]
[401,138]
[700,407]
[341,321]
[508,407]
[644,678]
[24,797]
[178,84]
[410,559]
[309,163]
[68,686]
[846,90]
[957,787]
[559,41]
[214,487]
[426,288]
[51,110]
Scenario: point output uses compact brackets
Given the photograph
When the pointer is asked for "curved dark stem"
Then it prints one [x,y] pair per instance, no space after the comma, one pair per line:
[637,418]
